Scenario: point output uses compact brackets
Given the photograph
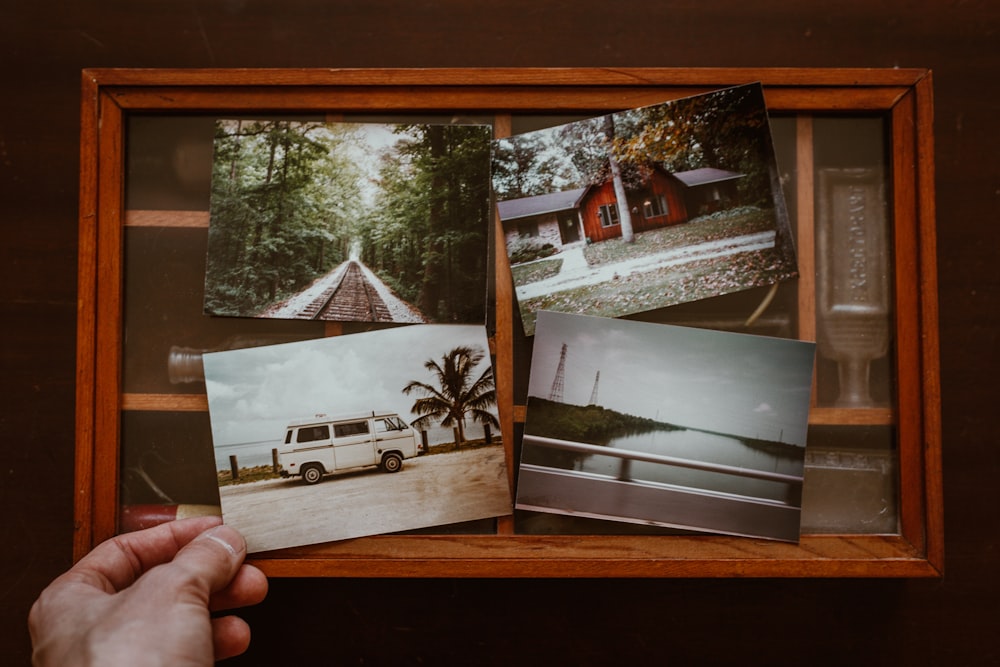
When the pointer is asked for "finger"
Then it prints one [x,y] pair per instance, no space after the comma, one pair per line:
[211,560]
[116,563]
[248,587]
[230,636]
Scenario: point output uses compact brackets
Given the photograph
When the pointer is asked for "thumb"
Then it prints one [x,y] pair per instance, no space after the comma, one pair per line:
[212,559]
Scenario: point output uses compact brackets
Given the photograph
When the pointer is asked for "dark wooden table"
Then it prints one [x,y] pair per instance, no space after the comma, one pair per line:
[953,621]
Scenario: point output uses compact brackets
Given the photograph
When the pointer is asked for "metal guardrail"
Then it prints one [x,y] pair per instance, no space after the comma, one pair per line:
[627,456]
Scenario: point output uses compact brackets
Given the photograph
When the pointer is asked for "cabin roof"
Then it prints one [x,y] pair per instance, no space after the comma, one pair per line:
[552,202]
[706,175]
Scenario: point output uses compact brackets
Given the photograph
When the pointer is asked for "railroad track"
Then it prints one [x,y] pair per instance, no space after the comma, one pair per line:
[353,298]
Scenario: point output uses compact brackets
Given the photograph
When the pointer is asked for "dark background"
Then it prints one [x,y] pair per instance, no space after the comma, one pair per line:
[954,621]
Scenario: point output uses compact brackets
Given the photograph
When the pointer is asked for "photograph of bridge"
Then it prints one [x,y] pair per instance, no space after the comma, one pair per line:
[666,426]
[362,222]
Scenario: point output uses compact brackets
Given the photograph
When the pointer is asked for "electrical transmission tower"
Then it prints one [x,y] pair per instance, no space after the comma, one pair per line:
[557,385]
[593,394]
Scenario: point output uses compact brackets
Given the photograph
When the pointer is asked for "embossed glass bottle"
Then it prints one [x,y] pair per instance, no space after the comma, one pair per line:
[852,282]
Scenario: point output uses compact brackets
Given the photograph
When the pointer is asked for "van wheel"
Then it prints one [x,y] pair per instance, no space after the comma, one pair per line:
[312,473]
[392,462]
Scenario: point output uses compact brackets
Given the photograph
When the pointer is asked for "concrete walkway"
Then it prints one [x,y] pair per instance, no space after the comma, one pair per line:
[576,273]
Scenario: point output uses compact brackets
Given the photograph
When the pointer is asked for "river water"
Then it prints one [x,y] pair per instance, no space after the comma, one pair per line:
[702,447]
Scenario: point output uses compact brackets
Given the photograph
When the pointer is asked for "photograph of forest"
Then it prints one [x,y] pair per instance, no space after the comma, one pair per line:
[365,222]
[644,208]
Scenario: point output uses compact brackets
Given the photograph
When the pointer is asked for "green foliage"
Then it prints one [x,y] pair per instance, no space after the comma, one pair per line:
[289,203]
[531,164]
[427,234]
[727,129]
[590,424]
[587,145]
[284,203]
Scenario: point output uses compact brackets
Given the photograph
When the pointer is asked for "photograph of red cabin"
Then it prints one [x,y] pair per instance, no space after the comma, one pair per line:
[591,213]
[643,209]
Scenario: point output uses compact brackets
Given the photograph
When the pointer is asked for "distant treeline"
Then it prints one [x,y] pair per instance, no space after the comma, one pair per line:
[592,423]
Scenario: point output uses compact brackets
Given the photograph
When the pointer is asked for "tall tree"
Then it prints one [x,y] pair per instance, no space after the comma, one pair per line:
[726,129]
[431,285]
[428,235]
[458,392]
[624,214]
[586,145]
[534,163]
[282,201]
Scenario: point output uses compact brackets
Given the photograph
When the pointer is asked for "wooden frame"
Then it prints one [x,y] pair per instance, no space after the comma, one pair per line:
[902,96]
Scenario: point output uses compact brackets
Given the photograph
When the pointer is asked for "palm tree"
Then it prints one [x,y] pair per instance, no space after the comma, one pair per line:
[456,395]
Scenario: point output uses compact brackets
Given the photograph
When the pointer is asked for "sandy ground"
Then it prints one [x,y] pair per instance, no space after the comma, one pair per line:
[428,491]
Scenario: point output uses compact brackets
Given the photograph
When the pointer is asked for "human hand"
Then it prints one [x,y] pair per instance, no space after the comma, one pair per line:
[145,598]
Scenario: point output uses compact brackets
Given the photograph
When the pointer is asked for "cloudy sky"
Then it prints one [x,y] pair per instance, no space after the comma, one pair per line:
[254,393]
[753,386]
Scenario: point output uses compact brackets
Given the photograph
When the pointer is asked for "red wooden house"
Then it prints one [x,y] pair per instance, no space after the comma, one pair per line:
[592,213]
[665,199]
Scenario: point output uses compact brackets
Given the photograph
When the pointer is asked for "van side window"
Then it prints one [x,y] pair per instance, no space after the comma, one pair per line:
[288,436]
[313,433]
[387,424]
[350,428]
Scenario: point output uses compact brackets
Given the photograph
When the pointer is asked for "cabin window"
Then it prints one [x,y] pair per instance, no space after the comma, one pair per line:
[350,428]
[654,206]
[288,437]
[529,229]
[313,433]
[608,215]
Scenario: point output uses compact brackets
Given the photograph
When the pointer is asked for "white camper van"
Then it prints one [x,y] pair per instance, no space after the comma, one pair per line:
[314,447]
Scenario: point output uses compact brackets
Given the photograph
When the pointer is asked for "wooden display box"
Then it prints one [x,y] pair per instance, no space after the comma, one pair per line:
[872,505]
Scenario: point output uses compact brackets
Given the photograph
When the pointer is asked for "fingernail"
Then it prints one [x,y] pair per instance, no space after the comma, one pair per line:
[227,537]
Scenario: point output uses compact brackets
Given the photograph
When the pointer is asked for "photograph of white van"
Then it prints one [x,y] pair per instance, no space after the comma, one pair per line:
[315,447]
[338,406]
